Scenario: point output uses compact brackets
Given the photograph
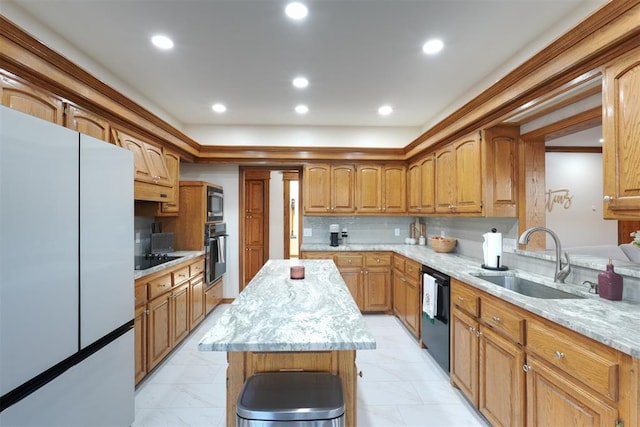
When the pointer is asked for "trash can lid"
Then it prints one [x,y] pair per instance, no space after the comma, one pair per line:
[291,396]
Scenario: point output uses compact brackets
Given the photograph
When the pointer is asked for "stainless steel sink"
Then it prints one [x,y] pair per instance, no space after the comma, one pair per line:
[527,287]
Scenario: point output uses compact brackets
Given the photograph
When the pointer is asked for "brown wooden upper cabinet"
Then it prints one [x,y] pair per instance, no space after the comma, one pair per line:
[152,180]
[620,128]
[29,99]
[83,121]
[380,189]
[329,189]
[421,179]
[477,174]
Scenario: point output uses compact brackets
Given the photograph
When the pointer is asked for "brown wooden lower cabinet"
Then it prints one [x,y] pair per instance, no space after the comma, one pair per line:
[407,298]
[213,295]
[169,305]
[519,369]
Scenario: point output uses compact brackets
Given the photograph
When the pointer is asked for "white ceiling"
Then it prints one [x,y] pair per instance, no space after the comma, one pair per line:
[357,54]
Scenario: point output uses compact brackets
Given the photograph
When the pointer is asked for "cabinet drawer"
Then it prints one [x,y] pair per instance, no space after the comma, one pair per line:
[140,295]
[398,263]
[465,298]
[376,259]
[412,268]
[348,260]
[500,317]
[180,275]
[159,286]
[586,360]
[196,268]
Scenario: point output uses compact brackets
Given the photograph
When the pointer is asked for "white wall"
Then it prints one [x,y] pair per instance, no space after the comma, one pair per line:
[581,224]
[276,216]
[227,176]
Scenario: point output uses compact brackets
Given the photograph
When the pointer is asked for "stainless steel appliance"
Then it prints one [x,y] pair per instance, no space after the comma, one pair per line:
[215,203]
[435,333]
[66,284]
[215,246]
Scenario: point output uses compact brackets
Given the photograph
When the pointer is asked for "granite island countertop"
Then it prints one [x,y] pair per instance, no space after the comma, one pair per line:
[614,323]
[277,313]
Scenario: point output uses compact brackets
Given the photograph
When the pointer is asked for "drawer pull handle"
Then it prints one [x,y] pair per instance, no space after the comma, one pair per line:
[559,355]
[460,299]
[472,329]
[478,333]
[526,368]
[496,319]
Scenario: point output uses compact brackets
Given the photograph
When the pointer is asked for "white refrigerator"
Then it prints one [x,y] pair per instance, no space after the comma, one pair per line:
[66,277]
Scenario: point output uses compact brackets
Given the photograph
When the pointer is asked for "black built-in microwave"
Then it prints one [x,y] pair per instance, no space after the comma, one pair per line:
[215,203]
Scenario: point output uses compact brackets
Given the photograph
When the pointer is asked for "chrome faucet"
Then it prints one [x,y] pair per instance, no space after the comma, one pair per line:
[561,271]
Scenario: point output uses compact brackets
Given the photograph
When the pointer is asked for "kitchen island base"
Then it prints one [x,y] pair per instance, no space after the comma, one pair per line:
[243,365]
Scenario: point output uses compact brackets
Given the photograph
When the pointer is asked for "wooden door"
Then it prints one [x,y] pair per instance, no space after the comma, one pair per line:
[353,279]
[620,127]
[554,400]
[255,230]
[427,184]
[501,380]
[394,189]
[140,342]
[180,313]
[317,188]
[30,100]
[159,330]
[399,295]
[141,163]
[468,175]
[87,123]
[160,172]
[414,190]
[197,306]
[369,188]
[342,189]
[377,289]
[501,171]
[464,355]
[171,207]
[445,180]
[413,313]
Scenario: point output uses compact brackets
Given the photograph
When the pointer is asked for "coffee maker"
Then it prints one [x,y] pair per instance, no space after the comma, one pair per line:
[334,230]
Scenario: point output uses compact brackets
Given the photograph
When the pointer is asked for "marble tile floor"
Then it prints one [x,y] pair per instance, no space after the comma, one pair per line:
[401,385]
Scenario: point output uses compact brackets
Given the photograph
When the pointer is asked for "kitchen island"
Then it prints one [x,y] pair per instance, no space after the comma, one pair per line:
[283,324]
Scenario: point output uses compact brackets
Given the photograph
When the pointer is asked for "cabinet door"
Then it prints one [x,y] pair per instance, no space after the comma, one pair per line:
[317,188]
[501,380]
[353,279]
[468,175]
[158,165]
[141,163]
[170,207]
[620,127]
[414,190]
[196,297]
[501,178]
[159,330]
[213,295]
[180,313]
[27,98]
[399,295]
[342,189]
[413,313]
[253,262]
[377,289]
[427,184]
[554,400]
[445,180]
[140,342]
[87,123]
[369,189]
[464,355]
[394,190]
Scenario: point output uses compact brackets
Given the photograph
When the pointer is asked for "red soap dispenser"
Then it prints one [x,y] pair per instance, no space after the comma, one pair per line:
[610,283]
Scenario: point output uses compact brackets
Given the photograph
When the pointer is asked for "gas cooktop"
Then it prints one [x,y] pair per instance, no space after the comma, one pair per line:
[151,260]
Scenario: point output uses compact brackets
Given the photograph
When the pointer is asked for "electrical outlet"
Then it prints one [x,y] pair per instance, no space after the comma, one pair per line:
[307,232]
[396,232]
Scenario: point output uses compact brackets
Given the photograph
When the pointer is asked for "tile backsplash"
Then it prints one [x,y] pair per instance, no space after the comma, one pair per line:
[362,229]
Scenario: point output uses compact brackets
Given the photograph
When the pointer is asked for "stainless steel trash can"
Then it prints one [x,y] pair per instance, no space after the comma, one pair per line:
[291,399]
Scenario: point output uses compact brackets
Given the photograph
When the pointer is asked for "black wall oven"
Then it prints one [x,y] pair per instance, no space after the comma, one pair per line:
[215,246]
[215,203]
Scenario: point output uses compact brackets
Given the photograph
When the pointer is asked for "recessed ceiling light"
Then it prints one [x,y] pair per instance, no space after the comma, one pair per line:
[385,110]
[219,108]
[296,10]
[432,46]
[302,109]
[300,82]
[162,42]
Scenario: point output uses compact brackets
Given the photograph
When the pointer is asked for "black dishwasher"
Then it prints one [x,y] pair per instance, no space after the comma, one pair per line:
[435,332]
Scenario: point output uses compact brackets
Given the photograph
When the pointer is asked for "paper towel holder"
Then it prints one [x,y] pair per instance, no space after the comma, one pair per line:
[498,267]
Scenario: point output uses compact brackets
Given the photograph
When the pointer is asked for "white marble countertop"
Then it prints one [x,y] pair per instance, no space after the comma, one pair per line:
[614,323]
[184,256]
[276,313]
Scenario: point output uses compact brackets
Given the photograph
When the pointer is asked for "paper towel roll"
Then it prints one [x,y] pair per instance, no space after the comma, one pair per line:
[492,248]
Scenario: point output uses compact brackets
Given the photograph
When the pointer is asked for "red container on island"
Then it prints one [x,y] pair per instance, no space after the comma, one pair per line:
[297,272]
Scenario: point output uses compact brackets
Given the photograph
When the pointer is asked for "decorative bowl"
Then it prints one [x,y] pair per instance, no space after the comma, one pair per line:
[442,244]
